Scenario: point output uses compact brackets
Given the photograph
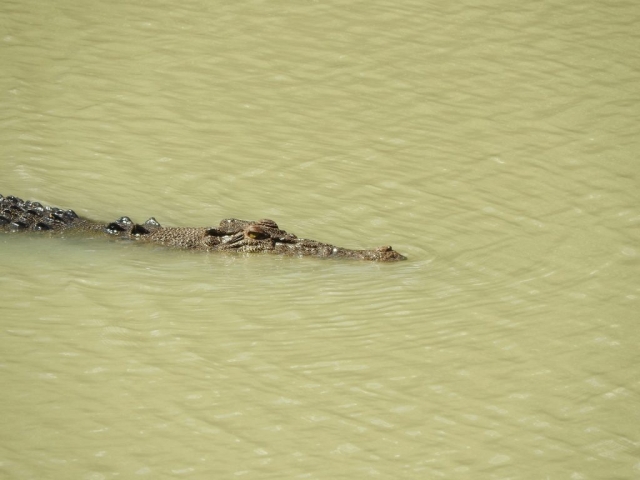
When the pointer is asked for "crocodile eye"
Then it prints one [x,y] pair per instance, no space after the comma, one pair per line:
[255,232]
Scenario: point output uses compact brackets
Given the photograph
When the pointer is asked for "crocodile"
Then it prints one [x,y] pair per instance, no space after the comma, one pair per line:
[231,234]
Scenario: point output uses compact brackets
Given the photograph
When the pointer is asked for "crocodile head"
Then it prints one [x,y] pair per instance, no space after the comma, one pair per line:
[265,236]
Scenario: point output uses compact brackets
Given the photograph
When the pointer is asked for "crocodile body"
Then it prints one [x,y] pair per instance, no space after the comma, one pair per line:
[230,235]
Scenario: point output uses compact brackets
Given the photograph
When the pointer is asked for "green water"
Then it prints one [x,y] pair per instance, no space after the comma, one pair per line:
[493,144]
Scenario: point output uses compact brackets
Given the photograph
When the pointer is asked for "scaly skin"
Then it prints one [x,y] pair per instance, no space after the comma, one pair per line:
[231,235]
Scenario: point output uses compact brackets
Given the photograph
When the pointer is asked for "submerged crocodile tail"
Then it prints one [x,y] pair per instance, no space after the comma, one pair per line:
[17,214]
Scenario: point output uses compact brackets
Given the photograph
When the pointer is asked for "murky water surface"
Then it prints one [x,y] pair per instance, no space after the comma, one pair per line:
[494,144]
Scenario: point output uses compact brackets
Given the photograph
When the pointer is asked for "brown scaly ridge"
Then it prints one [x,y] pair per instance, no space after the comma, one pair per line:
[17,215]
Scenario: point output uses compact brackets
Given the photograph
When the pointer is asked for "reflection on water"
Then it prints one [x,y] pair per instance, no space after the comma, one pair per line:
[493,146]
